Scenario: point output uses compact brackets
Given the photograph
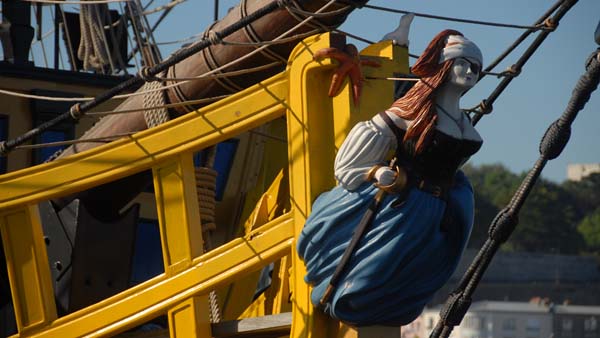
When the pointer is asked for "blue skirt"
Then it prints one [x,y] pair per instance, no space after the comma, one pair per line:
[403,258]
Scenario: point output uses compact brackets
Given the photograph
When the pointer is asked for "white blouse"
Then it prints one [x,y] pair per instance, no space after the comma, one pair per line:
[366,145]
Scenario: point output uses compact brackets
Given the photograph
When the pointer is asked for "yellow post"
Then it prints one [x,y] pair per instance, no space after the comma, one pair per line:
[181,237]
[28,270]
[317,125]
[311,164]
[183,319]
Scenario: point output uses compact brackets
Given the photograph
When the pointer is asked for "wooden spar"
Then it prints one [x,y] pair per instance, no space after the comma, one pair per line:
[267,28]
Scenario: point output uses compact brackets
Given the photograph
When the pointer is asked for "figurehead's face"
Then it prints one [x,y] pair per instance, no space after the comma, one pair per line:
[466,58]
[464,72]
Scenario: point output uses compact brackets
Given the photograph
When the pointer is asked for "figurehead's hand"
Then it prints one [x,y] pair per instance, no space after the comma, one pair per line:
[350,64]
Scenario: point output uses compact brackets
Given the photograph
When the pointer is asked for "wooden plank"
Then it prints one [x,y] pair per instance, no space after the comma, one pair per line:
[264,327]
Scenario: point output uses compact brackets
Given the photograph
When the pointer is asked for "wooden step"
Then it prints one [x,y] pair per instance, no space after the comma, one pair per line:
[267,326]
[270,326]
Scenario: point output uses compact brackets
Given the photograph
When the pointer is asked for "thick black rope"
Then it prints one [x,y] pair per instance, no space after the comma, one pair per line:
[551,146]
[147,74]
[487,104]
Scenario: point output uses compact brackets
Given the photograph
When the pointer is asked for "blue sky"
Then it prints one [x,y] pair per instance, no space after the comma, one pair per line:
[525,109]
[531,102]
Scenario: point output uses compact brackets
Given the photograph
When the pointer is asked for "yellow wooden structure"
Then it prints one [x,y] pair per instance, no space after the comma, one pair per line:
[316,126]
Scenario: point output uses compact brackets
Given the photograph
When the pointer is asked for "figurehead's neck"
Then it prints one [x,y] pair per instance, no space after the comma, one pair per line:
[448,97]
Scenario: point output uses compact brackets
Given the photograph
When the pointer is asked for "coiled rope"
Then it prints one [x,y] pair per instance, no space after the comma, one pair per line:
[93,51]
[206,185]
[154,103]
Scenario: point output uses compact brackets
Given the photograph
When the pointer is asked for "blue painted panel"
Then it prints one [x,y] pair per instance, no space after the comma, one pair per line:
[223,162]
[147,257]
[50,136]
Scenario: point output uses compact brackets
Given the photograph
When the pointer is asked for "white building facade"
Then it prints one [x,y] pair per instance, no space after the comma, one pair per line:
[578,171]
[492,319]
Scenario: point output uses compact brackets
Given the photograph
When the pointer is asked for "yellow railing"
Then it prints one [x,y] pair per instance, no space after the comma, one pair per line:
[316,127]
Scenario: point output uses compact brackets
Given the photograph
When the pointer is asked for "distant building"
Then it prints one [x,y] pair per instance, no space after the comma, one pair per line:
[491,319]
[574,321]
[520,276]
[578,171]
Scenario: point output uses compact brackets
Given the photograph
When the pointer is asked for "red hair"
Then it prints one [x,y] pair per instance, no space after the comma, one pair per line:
[418,105]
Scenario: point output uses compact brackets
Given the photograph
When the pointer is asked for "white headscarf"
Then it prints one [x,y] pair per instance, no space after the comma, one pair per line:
[459,46]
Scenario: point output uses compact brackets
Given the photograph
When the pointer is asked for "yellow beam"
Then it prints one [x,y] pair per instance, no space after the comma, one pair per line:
[222,120]
[183,318]
[150,299]
[317,125]
[28,270]
[178,212]
[311,154]
[181,237]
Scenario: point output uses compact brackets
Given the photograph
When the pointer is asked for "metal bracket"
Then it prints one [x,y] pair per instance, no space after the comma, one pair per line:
[89,259]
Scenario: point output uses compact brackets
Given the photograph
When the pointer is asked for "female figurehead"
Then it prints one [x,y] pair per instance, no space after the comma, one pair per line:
[420,227]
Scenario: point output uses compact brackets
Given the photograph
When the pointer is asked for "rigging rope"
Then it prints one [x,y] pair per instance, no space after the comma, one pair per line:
[178,56]
[149,33]
[82,2]
[486,105]
[268,42]
[38,13]
[142,92]
[79,110]
[164,7]
[209,74]
[67,36]
[523,36]
[224,74]
[191,38]
[553,142]
[359,38]
[167,106]
[446,18]
[103,139]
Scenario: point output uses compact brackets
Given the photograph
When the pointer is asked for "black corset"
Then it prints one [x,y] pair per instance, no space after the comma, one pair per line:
[440,160]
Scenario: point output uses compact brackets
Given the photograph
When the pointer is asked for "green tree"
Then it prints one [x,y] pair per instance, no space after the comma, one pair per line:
[547,221]
[586,192]
[589,228]
[493,182]
[485,212]
[493,185]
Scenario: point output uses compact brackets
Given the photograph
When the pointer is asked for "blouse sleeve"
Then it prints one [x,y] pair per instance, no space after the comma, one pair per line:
[366,145]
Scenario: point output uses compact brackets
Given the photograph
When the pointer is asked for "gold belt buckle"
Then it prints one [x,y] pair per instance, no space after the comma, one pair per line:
[399,183]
